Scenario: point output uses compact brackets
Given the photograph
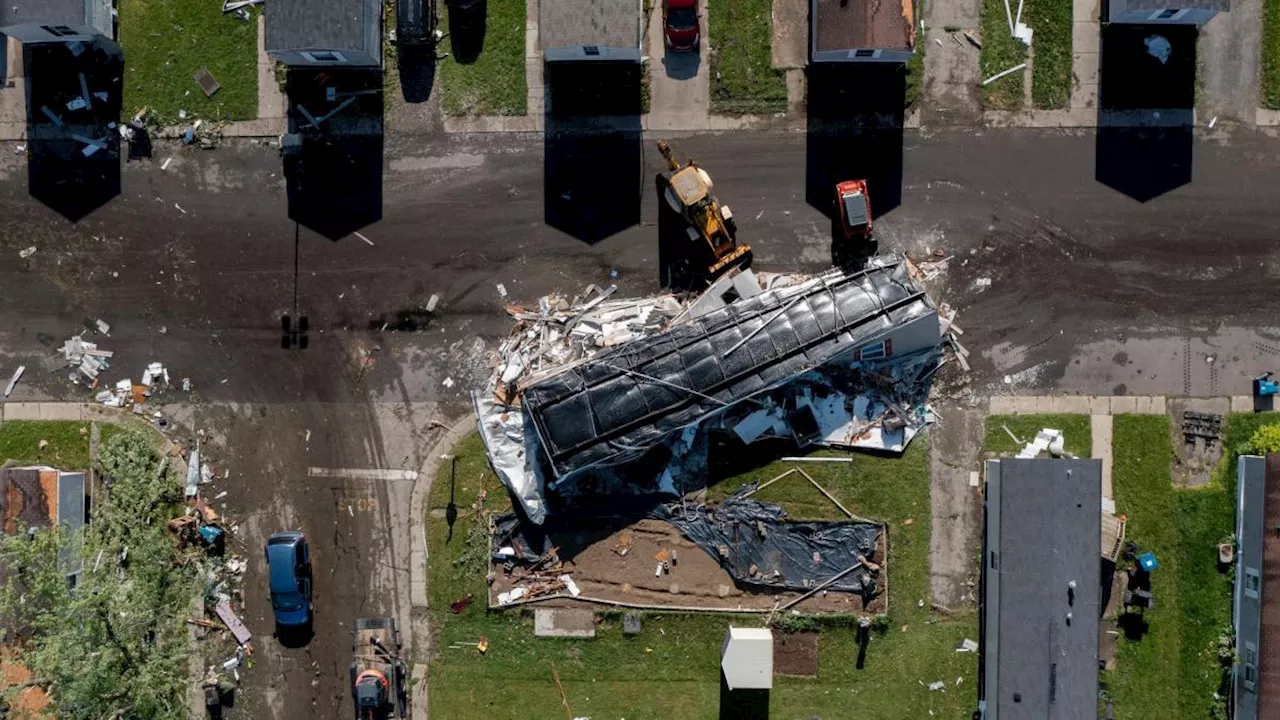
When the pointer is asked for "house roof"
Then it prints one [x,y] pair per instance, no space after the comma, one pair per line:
[1153,5]
[578,23]
[1257,614]
[324,25]
[619,404]
[1043,529]
[840,25]
[42,12]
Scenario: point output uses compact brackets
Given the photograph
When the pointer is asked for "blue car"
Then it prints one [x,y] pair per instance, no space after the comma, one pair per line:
[289,574]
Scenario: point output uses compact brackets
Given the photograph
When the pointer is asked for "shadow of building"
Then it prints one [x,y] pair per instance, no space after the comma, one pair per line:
[73,78]
[1146,110]
[467,24]
[333,151]
[593,159]
[855,131]
[742,704]
[416,38]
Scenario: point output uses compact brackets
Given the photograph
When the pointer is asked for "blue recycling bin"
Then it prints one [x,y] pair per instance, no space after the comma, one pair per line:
[1147,561]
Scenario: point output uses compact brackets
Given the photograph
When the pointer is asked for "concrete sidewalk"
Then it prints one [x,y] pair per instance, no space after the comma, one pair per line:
[1093,404]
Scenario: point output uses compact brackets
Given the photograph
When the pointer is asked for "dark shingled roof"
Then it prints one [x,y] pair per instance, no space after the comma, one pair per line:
[1153,5]
[854,24]
[1043,524]
[323,24]
[42,12]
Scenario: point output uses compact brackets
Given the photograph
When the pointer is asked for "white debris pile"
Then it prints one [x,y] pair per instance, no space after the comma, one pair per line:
[870,406]
[562,331]
[87,359]
[1047,440]
[155,377]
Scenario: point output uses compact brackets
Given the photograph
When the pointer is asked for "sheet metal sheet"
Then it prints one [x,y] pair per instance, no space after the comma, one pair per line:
[619,404]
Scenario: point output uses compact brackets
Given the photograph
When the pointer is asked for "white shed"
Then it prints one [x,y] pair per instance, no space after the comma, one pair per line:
[747,659]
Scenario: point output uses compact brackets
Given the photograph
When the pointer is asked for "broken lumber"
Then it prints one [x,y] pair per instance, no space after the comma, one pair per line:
[823,585]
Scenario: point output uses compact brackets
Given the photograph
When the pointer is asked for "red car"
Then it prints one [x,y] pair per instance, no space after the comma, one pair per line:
[680,25]
[854,205]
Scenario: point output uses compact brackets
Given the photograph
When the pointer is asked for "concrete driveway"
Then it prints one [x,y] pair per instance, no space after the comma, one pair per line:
[679,83]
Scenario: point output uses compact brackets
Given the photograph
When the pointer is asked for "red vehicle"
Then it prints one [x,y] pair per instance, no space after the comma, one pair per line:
[680,25]
[854,206]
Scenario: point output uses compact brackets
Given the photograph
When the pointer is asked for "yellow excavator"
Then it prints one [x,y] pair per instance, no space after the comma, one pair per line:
[688,191]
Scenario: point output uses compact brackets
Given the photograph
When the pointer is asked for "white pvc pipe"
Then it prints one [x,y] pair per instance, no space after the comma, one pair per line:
[999,75]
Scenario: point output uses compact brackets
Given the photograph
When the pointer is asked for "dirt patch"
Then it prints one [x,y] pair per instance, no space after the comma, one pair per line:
[795,654]
[694,579]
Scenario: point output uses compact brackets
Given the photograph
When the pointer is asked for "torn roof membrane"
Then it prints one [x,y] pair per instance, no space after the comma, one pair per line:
[617,405]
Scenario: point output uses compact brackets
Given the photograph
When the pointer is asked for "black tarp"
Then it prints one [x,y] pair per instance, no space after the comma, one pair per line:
[787,555]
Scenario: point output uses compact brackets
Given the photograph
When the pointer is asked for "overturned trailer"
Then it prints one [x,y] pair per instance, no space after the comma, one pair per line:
[835,359]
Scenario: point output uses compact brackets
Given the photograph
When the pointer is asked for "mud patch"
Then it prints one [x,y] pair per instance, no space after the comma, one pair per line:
[795,654]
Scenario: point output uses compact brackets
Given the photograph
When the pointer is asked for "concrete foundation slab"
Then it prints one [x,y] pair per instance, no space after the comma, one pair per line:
[563,623]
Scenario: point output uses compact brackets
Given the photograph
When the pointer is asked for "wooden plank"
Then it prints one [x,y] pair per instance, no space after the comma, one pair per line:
[237,628]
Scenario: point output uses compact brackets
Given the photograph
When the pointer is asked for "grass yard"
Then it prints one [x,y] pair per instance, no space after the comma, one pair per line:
[1173,671]
[166,41]
[1051,68]
[493,83]
[743,79]
[1270,97]
[1075,428]
[915,77]
[68,447]
[999,53]
[676,658]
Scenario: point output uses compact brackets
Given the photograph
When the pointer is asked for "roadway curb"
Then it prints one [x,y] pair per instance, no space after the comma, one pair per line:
[420,624]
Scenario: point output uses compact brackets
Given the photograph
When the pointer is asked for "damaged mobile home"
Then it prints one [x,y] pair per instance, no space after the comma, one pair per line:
[596,399]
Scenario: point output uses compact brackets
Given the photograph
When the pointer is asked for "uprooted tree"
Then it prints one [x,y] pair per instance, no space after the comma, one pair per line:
[115,645]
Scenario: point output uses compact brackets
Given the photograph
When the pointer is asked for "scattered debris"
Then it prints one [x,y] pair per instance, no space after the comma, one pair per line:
[981,284]
[365,239]
[1206,426]
[205,80]
[1159,48]
[24,254]
[229,618]
[936,686]
[457,606]
[662,353]
[1213,121]
[13,381]
[1047,439]
[967,645]
[1010,71]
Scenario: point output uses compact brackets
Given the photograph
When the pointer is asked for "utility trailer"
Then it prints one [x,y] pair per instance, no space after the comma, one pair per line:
[378,675]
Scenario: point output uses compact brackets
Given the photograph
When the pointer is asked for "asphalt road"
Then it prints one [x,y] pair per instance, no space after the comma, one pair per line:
[1090,291]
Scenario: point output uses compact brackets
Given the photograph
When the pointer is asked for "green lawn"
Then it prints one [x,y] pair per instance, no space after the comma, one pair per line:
[1271,54]
[1051,71]
[1173,671]
[743,79]
[494,83]
[915,76]
[166,41]
[674,662]
[68,447]
[999,53]
[1076,428]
